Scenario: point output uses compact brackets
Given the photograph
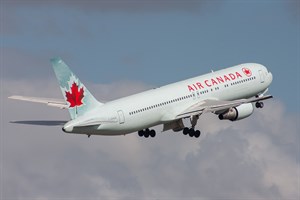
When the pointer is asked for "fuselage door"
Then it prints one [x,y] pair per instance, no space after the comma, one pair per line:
[194,95]
[262,76]
[121,117]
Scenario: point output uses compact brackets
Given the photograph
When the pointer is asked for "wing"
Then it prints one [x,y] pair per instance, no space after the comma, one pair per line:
[60,103]
[216,106]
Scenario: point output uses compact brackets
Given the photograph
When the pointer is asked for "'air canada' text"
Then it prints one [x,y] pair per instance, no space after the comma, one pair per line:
[214,81]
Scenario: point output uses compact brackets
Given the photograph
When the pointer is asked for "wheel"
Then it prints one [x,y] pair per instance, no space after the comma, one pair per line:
[257,105]
[191,132]
[185,131]
[197,133]
[152,133]
[146,134]
[261,104]
[141,133]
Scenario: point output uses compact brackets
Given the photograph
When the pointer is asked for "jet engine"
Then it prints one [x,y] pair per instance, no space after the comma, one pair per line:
[237,113]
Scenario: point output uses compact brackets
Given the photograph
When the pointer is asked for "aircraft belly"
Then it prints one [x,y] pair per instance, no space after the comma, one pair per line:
[130,125]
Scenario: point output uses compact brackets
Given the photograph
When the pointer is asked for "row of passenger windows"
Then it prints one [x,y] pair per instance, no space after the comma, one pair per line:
[161,104]
[243,81]
[203,92]
[206,91]
[186,97]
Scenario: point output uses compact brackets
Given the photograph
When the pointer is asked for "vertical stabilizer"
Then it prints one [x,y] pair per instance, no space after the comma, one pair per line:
[77,96]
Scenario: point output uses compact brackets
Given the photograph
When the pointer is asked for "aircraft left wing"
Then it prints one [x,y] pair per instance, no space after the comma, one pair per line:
[60,103]
[217,106]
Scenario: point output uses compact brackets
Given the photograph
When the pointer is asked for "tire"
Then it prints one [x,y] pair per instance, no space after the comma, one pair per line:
[261,104]
[141,133]
[191,132]
[197,133]
[152,133]
[185,131]
[257,105]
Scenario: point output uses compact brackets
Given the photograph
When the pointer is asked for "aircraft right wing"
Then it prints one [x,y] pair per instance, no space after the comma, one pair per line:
[216,106]
[60,103]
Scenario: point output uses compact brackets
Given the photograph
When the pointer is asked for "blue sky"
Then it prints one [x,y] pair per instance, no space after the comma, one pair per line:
[121,47]
[155,46]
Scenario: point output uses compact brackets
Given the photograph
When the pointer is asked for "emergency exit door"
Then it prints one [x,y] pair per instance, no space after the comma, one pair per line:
[121,117]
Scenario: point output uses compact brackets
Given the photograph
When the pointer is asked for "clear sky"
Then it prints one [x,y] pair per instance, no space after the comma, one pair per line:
[121,47]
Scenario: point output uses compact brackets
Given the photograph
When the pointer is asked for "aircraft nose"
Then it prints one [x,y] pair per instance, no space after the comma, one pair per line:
[270,77]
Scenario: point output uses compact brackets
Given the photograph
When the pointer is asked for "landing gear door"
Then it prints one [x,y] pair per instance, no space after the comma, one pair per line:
[262,76]
[121,117]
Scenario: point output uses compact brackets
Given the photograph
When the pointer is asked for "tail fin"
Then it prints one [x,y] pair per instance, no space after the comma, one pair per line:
[77,96]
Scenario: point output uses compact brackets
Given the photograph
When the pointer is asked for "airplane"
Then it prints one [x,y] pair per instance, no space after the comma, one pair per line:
[230,93]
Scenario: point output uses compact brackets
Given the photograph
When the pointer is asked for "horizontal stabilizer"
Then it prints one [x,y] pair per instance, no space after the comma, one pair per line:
[60,103]
[41,122]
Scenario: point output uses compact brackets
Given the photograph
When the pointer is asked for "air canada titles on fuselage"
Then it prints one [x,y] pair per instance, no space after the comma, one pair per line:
[218,80]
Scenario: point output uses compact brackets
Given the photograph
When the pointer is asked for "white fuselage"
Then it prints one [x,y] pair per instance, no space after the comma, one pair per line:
[161,105]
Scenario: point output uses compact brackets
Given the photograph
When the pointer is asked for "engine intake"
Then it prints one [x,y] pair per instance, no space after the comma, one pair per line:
[237,113]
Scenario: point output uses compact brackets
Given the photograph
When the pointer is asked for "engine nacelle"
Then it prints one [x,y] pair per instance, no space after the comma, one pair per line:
[237,113]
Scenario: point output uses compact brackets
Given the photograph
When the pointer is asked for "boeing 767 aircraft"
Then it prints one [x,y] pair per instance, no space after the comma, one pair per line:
[231,93]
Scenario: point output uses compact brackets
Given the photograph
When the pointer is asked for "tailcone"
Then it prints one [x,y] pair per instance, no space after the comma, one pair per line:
[68,127]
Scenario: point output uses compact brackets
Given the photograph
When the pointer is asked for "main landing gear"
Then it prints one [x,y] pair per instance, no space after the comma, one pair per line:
[186,131]
[146,133]
[191,131]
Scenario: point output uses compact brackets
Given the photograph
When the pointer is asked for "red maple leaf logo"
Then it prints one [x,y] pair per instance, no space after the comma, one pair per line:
[75,96]
[247,71]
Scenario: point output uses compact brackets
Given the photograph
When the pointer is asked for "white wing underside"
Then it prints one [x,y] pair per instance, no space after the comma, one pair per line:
[216,106]
[59,103]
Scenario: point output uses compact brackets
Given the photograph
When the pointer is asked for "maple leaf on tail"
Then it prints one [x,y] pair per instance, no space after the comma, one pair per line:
[75,96]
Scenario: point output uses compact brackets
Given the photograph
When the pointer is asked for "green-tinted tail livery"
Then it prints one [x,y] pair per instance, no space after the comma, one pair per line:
[77,96]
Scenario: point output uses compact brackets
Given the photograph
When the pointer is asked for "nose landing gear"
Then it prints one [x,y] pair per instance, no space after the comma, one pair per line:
[259,104]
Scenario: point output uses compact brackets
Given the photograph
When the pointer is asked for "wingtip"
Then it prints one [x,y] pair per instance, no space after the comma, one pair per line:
[13,97]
